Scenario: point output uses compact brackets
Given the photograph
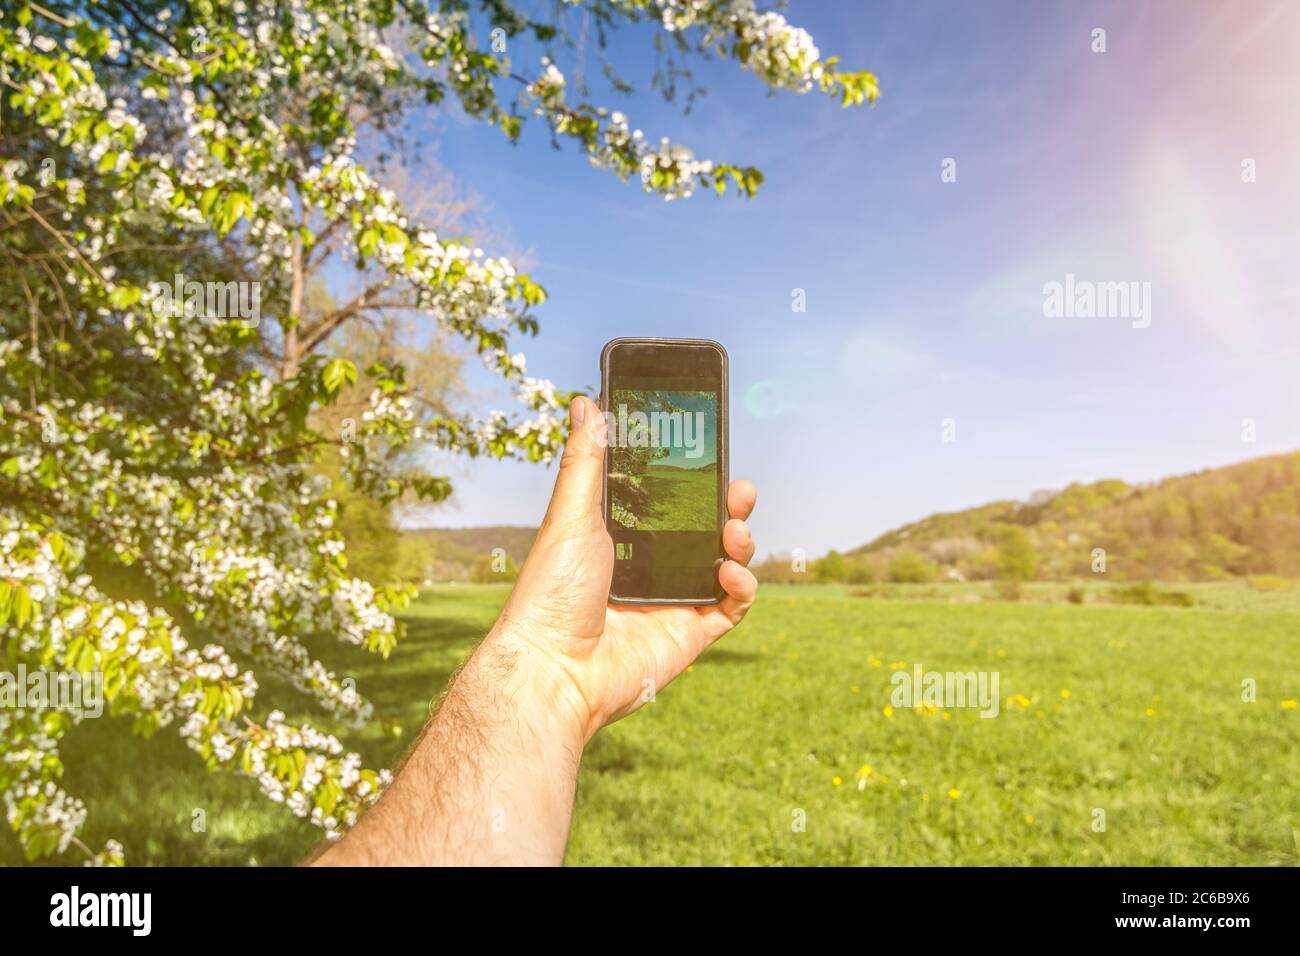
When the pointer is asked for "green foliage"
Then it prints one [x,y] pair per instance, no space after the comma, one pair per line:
[1150,595]
[780,569]
[1016,558]
[1268,582]
[1010,589]
[830,568]
[336,373]
[912,568]
[377,550]
[862,571]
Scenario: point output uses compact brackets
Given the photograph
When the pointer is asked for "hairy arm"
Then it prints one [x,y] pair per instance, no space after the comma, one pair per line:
[491,779]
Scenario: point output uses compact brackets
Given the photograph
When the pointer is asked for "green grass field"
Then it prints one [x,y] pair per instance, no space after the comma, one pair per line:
[781,721]
[680,500]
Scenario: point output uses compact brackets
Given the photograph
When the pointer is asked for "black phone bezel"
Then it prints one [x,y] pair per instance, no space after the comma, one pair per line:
[724,459]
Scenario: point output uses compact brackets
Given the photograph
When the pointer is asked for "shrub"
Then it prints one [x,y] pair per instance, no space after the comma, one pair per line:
[779,570]
[908,567]
[831,567]
[1010,589]
[1148,594]
[862,571]
[1016,557]
[1143,593]
[1268,582]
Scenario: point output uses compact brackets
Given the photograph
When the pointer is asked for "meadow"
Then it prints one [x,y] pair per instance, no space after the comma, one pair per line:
[680,499]
[780,746]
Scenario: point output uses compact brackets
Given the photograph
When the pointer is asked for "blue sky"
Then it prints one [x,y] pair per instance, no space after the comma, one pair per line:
[924,298]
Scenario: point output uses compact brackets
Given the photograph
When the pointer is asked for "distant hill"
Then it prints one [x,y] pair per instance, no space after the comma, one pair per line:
[454,552]
[1237,520]
[708,466]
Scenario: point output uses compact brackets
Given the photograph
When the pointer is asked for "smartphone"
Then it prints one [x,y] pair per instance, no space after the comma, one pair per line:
[665,404]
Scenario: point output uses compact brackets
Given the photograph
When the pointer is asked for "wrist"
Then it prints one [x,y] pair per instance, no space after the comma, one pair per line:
[543,692]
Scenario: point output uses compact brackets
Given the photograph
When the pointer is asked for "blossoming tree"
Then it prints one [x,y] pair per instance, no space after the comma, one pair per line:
[142,138]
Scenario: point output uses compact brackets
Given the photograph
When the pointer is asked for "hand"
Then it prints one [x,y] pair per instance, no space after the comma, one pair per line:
[558,626]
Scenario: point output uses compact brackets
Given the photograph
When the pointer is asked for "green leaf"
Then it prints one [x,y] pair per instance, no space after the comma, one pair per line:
[234,206]
[369,241]
[207,199]
[123,296]
[336,372]
[22,605]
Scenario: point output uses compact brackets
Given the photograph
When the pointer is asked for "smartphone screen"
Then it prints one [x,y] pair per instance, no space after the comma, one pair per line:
[665,405]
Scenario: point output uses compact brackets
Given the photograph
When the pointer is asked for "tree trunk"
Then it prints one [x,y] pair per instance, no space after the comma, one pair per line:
[292,350]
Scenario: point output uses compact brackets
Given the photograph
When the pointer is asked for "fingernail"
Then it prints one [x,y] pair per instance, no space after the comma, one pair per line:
[578,411]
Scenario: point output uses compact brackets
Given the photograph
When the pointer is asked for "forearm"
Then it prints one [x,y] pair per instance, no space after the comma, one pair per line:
[491,779]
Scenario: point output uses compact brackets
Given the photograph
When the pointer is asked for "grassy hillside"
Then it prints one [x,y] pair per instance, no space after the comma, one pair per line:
[1239,520]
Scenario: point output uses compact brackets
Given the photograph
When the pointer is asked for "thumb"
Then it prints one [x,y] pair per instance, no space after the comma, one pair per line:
[577,498]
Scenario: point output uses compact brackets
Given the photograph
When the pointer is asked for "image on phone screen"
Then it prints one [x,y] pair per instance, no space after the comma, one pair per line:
[664,477]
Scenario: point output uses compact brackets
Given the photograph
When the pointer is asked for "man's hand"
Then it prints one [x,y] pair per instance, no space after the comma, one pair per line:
[491,779]
[559,618]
